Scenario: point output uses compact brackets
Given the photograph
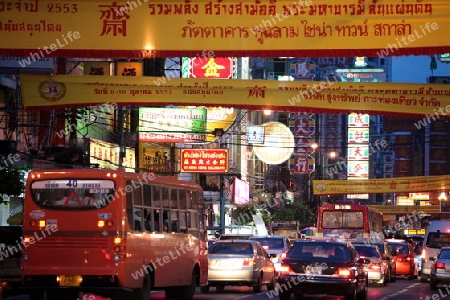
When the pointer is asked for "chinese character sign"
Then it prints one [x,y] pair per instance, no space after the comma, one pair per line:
[204,160]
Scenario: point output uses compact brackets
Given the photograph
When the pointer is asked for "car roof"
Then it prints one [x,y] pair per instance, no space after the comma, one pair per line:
[396,241]
[236,241]
[323,241]
[368,246]
[269,237]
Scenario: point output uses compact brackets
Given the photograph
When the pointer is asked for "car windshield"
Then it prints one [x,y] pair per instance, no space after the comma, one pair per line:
[444,254]
[234,237]
[367,251]
[381,248]
[318,250]
[399,248]
[231,248]
[438,240]
[269,243]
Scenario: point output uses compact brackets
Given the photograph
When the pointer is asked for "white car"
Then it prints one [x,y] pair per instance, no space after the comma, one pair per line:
[378,267]
[274,245]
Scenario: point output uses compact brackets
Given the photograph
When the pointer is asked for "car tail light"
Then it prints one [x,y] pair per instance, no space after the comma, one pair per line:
[408,258]
[344,272]
[440,265]
[284,268]
[375,266]
[247,262]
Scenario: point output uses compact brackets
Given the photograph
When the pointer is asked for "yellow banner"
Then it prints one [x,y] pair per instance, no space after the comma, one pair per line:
[47,91]
[267,28]
[384,185]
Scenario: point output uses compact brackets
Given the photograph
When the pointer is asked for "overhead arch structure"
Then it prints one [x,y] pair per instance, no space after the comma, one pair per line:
[429,101]
[409,184]
[259,28]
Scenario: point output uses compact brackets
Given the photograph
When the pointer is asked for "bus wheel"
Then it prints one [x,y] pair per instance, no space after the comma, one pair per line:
[188,291]
[144,292]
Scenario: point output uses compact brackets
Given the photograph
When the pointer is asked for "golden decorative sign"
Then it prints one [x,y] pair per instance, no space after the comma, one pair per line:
[269,28]
[384,185]
[49,92]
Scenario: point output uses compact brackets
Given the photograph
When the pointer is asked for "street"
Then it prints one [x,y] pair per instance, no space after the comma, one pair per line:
[399,290]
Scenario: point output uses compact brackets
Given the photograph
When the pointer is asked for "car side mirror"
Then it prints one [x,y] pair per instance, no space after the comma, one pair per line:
[432,258]
[273,255]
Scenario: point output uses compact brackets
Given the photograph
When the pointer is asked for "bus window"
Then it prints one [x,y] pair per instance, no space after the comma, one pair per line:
[71,194]
[191,200]
[183,199]
[165,197]
[194,219]
[147,195]
[332,219]
[137,194]
[183,221]
[138,219]
[174,221]
[156,197]
[174,198]
[166,218]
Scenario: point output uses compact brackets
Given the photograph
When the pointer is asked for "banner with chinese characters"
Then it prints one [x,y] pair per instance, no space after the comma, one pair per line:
[204,160]
[176,28]
[50,92]
[384,185]
[209,67]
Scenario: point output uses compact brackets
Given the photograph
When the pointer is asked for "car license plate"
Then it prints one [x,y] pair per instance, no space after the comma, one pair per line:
[313,270]
[69,280]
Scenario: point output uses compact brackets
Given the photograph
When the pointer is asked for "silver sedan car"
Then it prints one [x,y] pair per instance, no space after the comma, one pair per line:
[239,262]
[440,268]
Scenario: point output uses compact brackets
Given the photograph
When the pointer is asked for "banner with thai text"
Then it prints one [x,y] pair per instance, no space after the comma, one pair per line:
[47,92]
[268,28]
[384,185]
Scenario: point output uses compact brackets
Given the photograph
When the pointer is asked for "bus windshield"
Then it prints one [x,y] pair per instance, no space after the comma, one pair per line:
[343,219]
[72,194]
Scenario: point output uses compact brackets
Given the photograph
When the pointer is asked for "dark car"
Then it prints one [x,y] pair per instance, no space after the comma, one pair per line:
[313,267]
[440,268]
[10,256]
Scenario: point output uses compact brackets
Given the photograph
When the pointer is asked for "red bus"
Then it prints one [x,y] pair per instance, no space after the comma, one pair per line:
[113,234]
[349,221]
